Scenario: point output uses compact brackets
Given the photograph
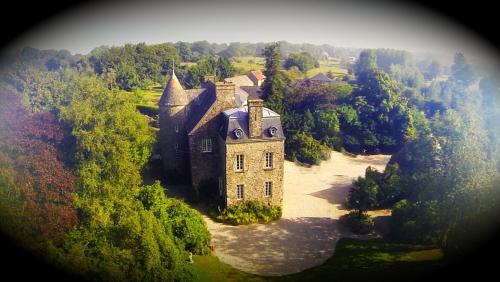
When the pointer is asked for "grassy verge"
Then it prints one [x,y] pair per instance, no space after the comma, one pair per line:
[354,260]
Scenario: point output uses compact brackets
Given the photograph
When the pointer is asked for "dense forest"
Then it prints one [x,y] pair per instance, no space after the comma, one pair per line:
[74,145]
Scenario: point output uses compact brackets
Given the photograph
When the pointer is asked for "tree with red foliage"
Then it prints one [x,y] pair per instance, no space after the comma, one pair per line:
[36,194]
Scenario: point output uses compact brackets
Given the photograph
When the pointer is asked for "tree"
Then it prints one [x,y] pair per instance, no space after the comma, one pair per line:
[303,61]
[363,195]
[367,61]
[384,120]
[33,176]
[461,71]
[274,87]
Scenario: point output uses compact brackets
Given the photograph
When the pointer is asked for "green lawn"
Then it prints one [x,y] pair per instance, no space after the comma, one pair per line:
[151,96]
[245,64]
[326,66]
[354,260]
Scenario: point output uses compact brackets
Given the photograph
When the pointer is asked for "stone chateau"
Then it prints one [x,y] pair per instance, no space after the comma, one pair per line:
[222,136]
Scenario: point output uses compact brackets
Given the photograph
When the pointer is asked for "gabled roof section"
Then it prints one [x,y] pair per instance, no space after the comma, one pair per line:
[174,94]
[257,74]
[241,80]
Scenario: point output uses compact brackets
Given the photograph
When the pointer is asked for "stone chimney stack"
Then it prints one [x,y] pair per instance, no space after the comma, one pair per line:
[224,92]
[255,117]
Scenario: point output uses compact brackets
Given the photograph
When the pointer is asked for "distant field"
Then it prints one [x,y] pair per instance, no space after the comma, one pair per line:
[354,260]
[326,66]
[245,64]
[150,97]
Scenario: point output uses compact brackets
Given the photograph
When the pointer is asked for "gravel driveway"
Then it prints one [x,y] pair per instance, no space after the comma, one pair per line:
[307,233]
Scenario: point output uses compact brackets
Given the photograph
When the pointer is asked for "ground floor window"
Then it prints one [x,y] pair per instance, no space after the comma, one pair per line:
[268,189]
[239,191]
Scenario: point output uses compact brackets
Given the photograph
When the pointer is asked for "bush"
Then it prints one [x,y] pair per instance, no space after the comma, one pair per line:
[359,223]
[249,212]
[306,149]
[188,227]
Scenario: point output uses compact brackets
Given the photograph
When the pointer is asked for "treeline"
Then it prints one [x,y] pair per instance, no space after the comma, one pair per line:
[70,173]
[442,186]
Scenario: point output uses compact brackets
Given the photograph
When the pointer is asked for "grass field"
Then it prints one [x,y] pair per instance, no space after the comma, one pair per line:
[326,66]
[243,65]
[354,260]
[149,97]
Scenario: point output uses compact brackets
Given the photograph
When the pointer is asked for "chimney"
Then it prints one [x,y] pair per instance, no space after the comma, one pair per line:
[208,81]
[255,117]
[225,92]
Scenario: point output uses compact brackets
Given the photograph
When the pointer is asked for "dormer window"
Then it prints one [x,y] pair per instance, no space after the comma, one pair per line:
[238,133]
[273,130]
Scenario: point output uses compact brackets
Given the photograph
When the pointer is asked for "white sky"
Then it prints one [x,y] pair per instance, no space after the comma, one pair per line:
[364,24]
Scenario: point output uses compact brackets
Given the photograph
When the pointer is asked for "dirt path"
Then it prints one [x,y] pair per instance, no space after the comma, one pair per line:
[308,231]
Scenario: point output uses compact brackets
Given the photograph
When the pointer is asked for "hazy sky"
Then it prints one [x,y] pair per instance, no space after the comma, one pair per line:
[340,23]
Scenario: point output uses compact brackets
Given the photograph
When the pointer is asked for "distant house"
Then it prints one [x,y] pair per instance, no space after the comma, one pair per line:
[318,79]
[257,77]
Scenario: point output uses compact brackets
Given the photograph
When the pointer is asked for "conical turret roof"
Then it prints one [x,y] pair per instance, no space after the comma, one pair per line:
[174,94]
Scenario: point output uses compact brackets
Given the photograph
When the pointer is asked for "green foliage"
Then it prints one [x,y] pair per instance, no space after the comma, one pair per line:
[274,87]
[363,194]
[220,67]
[124,234]
[303,61]
[384,122]
[249,212]
[186,224]
[461,71]
[359,223]
[304,148]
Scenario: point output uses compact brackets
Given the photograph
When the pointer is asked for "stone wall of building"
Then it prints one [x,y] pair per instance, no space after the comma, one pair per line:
[173,140]
[206,166]
[254,175]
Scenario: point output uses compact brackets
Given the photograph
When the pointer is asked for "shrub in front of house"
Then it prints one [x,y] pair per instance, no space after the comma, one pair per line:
[359,223]
[248,212]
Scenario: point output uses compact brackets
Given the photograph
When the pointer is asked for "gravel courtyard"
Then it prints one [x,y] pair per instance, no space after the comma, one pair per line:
[308,231]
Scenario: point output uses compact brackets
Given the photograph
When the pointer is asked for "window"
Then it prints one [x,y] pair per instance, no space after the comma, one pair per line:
[206,145]
[239,192]
[269,160]
[176,128]
[268,189]
[239,162]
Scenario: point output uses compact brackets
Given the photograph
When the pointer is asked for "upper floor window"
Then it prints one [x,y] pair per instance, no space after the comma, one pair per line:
[239,162]
[268,189]
[269,160]
[239,191]
[206,145]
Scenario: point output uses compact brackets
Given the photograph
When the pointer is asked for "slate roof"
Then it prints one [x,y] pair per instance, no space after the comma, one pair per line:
[242,93]
[241,80]
[174,94]
[198,107]
[238,118]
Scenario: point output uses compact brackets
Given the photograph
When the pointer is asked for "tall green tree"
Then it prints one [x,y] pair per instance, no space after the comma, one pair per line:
[274,87]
